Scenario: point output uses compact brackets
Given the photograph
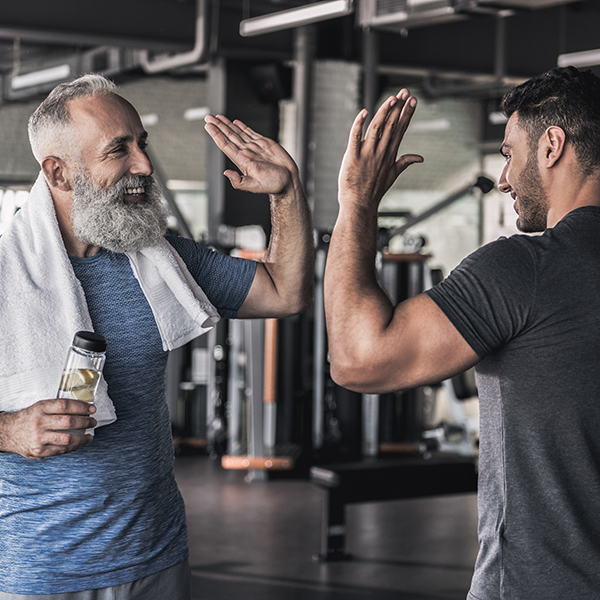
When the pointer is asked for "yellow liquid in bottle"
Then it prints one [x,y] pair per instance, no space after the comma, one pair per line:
[80,383]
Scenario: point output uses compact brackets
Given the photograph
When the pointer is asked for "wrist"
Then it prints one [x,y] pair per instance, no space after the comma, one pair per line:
[351,209]
[4,434]
[293,190]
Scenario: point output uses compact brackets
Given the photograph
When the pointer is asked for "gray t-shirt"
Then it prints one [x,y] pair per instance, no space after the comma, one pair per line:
[530,308]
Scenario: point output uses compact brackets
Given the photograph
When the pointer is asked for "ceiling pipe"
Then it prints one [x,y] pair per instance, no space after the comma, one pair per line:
[196,55]
[498,80]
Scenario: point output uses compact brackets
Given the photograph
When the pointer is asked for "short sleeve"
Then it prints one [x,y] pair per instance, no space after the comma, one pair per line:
[226,280]
[490,295]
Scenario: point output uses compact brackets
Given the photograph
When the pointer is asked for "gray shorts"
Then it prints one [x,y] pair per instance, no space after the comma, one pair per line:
[172,584]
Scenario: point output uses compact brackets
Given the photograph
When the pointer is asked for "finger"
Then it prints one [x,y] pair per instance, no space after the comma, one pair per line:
[248,131]
[406,114]
[62,444]
[402,107]
[57,443]
[69,422]
[62,406]
[405,161]
[244,182]
[377,126]
[244,133]
[234,178]
[227,143]
[68,438]
[223,135]
[356,132]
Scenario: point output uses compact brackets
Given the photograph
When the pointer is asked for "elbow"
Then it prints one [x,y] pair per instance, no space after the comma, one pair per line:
[297,304]
[356,372]
[305,299]
[368,370]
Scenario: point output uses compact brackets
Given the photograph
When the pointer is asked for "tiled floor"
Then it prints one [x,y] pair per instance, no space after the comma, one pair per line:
[256,541]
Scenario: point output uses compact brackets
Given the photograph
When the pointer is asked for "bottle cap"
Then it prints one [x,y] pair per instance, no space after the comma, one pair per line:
[88,340]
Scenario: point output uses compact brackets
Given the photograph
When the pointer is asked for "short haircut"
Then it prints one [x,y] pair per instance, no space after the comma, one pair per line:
[563,97]
[49,126]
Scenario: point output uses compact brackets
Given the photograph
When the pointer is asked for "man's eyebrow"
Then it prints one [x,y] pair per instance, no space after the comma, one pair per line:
[123,139]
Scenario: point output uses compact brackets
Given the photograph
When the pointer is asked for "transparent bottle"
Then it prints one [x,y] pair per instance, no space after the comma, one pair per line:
[85,360]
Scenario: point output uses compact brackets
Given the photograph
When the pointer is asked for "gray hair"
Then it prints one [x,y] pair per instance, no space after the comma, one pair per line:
[49,126]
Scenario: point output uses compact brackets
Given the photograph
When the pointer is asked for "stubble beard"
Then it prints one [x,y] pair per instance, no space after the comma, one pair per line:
[102,217]
[533,202]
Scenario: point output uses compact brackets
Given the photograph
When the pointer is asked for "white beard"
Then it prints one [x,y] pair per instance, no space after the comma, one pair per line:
[102,217]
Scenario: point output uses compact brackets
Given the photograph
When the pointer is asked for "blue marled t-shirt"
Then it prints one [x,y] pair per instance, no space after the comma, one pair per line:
[110,512]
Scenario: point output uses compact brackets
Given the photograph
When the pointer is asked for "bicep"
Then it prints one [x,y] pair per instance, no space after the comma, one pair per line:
[418,346]
[262,300]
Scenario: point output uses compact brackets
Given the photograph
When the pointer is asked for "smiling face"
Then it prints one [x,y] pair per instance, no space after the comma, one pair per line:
[521,178]
[116,203]
[111,140]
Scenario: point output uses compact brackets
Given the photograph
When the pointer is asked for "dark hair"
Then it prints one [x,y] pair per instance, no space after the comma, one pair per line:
[563,97]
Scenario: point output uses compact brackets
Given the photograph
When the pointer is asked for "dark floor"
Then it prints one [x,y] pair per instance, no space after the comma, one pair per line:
[255,541]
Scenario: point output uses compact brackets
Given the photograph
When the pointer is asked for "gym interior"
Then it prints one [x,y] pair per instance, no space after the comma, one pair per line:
[294,486]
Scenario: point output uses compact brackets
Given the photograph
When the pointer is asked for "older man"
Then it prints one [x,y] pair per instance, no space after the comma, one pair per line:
[103,512]
[524,309]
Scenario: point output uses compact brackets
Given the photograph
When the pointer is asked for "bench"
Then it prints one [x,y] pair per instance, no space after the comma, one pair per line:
[409,477]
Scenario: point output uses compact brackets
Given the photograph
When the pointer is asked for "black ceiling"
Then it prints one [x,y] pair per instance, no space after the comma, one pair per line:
[533,40]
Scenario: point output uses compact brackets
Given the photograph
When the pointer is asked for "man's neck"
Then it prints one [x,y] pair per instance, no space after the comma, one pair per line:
[79,249]
[74,246]
[572,193]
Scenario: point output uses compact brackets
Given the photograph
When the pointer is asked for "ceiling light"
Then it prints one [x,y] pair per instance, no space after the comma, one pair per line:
[149,120]
[196,114]
[497,118]
[587,58]
[295,17]
[432,125]
[60,73]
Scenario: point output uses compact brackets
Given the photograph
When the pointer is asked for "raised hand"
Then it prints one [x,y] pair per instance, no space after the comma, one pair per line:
[371,164]
[266,168]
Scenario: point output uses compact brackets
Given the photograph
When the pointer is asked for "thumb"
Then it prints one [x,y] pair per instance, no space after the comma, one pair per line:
[234,178]
[406,160]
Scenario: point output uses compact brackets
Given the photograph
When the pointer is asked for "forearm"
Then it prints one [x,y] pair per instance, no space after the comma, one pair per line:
[284,279]
[357,310]
[290,255]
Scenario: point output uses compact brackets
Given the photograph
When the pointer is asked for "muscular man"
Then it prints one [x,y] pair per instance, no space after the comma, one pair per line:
[523,309]
[104,513]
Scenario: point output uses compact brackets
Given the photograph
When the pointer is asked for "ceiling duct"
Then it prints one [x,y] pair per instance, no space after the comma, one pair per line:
[404,14]
[496,85]
[106,60]
[401,14]
[197,54]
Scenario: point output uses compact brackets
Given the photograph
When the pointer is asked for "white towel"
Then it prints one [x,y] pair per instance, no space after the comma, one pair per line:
[43,304]
[181,309]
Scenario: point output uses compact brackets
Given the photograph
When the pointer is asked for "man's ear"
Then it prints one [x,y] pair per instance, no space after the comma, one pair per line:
[56,173]
[552,143]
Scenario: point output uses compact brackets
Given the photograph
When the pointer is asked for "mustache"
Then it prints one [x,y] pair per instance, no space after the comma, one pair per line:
[132,181]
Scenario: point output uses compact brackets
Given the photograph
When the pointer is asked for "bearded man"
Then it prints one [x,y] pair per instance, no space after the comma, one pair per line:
[101,516]
[523,309]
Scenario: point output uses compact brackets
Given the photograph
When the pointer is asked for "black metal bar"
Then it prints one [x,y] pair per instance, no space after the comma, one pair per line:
[483,183]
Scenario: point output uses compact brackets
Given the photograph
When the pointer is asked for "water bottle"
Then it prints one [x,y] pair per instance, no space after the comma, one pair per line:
[85,360]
